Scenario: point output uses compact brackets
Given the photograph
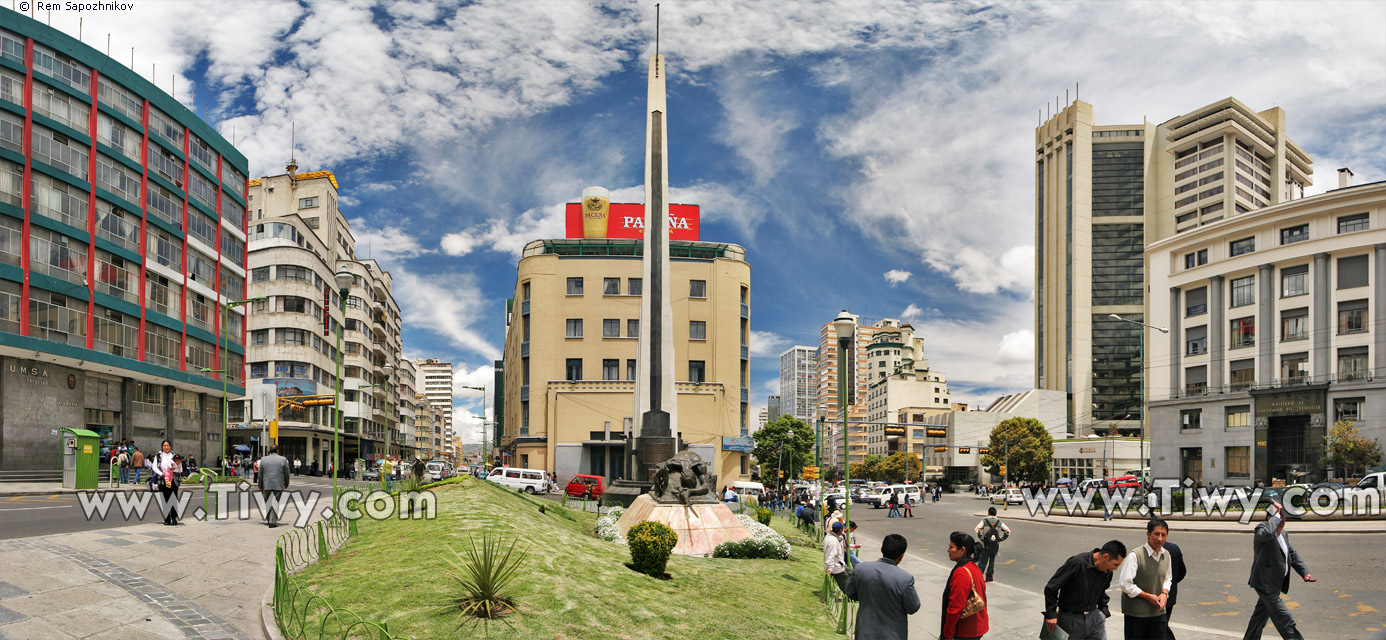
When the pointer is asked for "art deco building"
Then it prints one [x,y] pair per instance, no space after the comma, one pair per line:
[901,385]
[1103,192]
[299,241]
[1275,334]
[122,232]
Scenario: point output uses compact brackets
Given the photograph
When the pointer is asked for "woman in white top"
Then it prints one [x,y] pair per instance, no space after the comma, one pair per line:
[168,470]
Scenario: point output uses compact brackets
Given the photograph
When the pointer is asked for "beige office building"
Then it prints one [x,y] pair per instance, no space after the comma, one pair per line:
[901,385]
[434,380]
[1105,192]
[298,241]
[571,364]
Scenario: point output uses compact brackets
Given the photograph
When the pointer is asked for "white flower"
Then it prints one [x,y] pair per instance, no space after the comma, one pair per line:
[606,526]
[762,532]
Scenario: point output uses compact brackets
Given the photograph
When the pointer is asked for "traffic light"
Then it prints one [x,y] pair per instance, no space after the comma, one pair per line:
[984,451]
[781,473]
[964,450]
[274,430]
[319,402]
[940,449]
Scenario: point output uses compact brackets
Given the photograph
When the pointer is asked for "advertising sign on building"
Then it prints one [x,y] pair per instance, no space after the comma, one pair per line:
[744,444]
[627,221]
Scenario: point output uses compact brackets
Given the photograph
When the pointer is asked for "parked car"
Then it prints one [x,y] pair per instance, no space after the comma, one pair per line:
[1375,481]
[371,474]
[1008,496]
[586,486]
[747,488]
[527,480]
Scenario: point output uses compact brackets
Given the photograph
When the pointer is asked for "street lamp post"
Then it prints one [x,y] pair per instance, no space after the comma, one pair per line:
[846,327]
[1142,365]
[343,280]
[225,404]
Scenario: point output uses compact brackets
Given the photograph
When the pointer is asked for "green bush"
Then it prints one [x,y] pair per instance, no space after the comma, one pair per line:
[650,546]
[750,549]
[763,516]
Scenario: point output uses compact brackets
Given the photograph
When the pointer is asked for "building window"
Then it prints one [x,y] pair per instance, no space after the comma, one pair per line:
[574,286]
[1352,316]
[1244,291]
[630,369]
[1294,234]
[308,203]
[697,371]
[1196,380]
[611,369]
[297,337]
[633,286]
[1239,416]
[1243,373]
[697,330]
[524,418]
[1191,463]
[1191,419]
[1294,281]
[1294,324]
[259,369]
[1352,363]
[574,328]
[611,328]
[1349,409]
[259,337]
[1294,366]
[524,291]
[697,288]
[1238,462]
[1240,247]
[1352,272]
[632,328]
[1196,302]
[611,286]
[1196,340]
[1243,332]
[1354,222]
[1196,258]
[573,369]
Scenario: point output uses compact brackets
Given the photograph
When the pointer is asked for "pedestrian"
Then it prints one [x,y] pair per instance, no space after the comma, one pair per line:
[1075,598]
[885,593]
[190,466]
[894,505]
[273,480]
[298,466]
[1145,579]
[992,532]
[965,592]
[136,461]
[834,556]
[906,511]
[1272,559]
[1176,566]
[728,495]
[419,470]
[123,460]
[166,469]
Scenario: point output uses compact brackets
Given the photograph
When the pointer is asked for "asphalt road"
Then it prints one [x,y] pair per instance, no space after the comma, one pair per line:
[1347,602]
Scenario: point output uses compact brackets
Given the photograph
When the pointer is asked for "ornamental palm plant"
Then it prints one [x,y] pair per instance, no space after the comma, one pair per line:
[483,576]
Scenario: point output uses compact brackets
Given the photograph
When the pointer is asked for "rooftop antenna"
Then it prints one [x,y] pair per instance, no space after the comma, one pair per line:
[108,45]
[132,58]
[1066,102]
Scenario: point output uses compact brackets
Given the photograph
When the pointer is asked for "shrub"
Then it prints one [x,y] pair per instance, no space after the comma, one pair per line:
[763,516]
[762,532]
[750,548]
[651,543]
[483,575]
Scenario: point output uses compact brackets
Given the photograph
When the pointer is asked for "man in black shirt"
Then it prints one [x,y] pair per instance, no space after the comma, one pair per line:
[1075,599]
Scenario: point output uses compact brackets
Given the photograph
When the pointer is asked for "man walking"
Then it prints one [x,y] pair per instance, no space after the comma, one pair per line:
[992,532]
[1176,566]
[136,461]
[1075,599]
[1272,558]
[834,558]
[1145,579]
[273,480]
[885,593]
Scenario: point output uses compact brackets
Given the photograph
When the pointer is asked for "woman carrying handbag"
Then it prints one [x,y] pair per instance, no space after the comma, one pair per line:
[168,475]
[965,594]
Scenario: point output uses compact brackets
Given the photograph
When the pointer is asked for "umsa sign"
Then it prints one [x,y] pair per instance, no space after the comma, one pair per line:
[627,221]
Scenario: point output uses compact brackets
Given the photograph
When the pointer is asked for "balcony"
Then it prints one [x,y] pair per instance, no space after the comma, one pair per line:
[524,349]
[1200,390]
[524,393]
[524,307]
[745,394]
[745,311]
[745,352]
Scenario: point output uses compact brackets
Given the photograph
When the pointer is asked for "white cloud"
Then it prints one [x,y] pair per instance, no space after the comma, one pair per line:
[896,276]
[385,243]
[756,124]
[1016,348]
[480,376]
[765,344]
[446,305]
[984,354]
[911,313]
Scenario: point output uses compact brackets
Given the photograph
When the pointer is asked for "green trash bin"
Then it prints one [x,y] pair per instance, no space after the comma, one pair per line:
[81,458]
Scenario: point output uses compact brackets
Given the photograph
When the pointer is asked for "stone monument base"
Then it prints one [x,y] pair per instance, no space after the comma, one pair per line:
[701,527]
[625,492]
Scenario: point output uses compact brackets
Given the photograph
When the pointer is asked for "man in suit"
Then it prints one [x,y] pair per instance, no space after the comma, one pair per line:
[1176,566]
[885,593]
[1272,558]
[274,479]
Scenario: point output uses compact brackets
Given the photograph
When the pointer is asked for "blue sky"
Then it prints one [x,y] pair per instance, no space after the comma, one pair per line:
[869,155]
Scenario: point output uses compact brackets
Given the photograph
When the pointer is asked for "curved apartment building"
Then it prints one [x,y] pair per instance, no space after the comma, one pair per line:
[122,234]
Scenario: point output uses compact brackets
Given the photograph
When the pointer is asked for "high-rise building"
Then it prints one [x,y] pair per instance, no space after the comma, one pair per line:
[122,235]
[408,409]
[861,369]
[761,420]
[1105,192]
[799,383]
[435,381]
[772,408]
[299,242]
[901,384]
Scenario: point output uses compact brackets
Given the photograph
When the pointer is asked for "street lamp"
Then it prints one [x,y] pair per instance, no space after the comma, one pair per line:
[221,330]
[1142,358]
[846,327]
[484,455]
[343,280]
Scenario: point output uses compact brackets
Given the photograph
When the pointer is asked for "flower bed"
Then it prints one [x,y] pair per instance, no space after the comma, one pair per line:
[762,532]
[606,526]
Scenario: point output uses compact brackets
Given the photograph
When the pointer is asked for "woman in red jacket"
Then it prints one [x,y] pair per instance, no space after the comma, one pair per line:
[964,578]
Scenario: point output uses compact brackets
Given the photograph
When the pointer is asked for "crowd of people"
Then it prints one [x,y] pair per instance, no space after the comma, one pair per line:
[1075,597]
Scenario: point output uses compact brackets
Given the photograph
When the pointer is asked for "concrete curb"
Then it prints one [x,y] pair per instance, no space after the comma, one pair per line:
[267,623]
[1300,527]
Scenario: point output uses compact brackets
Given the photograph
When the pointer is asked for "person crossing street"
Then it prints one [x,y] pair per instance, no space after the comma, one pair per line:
[992,532]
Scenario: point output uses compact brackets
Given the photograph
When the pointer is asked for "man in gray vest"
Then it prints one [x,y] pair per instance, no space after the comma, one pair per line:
[1272,559]
[274,479]
[1145,578]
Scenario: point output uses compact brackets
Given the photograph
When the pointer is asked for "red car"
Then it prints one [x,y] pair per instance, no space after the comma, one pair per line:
[586,485]
[1122,483]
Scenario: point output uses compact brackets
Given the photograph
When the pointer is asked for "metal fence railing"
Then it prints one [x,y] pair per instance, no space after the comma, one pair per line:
[302,614]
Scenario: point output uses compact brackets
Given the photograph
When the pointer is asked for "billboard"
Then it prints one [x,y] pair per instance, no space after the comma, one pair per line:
[627,221]
[744,444]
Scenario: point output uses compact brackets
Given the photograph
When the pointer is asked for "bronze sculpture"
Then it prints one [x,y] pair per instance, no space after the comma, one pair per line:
[683,478]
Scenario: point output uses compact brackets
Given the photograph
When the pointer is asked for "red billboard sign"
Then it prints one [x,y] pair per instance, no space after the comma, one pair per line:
[627,221]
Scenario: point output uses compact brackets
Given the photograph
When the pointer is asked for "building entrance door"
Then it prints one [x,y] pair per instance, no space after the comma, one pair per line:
[1287,449]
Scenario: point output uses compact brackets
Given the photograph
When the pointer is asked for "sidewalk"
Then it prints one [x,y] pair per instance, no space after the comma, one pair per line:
[1019,512]
[1011,612]
[200,580]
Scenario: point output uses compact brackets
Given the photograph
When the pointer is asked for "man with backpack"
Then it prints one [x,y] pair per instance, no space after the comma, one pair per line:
[992,532]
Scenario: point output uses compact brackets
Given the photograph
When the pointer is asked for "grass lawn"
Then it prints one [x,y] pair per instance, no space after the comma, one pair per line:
[572,585]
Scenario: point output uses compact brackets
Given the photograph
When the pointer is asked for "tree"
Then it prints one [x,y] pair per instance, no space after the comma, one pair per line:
[868,469]
[1029,447]
[833,474]
[773,448]
[893,468]
[1348,451]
